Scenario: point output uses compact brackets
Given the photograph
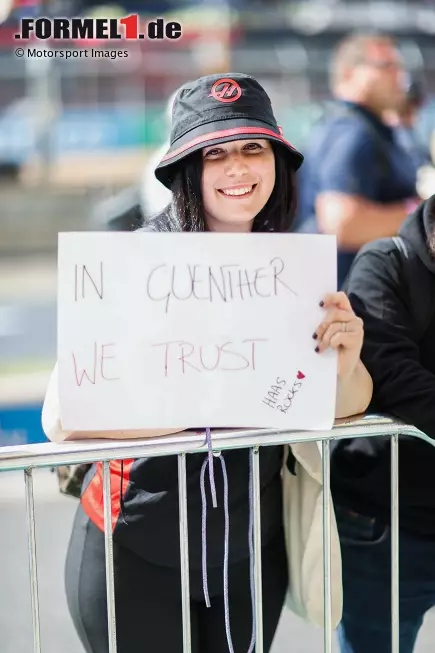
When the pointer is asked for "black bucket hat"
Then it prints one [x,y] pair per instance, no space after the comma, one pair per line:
[217,109]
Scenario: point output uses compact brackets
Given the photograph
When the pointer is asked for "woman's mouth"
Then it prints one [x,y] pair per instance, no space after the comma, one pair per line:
[238,192]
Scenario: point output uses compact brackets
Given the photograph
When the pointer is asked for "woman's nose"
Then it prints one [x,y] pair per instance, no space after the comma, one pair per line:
[236,166]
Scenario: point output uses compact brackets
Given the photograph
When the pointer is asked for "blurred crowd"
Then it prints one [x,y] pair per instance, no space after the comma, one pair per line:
[59,120]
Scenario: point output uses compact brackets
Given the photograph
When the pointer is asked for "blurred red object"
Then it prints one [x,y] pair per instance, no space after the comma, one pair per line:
[16,4]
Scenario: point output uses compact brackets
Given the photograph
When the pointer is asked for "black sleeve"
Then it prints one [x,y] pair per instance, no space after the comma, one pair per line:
[403,387]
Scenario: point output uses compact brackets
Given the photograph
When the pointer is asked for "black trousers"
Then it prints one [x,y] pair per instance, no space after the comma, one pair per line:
[148,598]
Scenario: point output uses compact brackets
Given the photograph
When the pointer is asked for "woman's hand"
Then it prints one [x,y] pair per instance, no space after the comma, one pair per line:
[341,330]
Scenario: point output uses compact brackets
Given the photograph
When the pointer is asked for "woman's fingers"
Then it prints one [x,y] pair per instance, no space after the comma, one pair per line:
[336,337]
[340,328]
[333,316]
[337,299]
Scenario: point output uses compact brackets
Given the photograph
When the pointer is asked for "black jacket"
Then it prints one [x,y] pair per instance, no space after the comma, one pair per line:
[394,295]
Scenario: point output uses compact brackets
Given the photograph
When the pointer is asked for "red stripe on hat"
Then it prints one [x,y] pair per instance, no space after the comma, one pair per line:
[226,132]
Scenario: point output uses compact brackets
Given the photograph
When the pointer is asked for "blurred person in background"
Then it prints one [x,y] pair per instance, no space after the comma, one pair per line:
[391,286]
[357,181]
[404,120]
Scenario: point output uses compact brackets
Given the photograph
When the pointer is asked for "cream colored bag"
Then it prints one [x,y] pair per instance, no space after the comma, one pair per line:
[303,526]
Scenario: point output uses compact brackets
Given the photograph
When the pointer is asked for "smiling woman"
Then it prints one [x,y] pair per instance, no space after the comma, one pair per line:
[237,181]
[230,170]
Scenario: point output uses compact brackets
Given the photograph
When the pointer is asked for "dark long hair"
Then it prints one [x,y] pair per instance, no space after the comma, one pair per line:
[186,209]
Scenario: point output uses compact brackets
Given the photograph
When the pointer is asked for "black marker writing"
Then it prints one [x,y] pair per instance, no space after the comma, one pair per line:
[83,278]
[223,283]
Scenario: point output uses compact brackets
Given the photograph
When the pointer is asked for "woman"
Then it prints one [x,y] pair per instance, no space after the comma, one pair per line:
[230,170]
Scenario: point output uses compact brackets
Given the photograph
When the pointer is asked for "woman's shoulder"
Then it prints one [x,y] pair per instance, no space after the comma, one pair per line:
[152,225]
[163,221]
[146,228]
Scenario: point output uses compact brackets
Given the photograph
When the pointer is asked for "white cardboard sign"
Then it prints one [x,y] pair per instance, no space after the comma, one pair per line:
[194,330]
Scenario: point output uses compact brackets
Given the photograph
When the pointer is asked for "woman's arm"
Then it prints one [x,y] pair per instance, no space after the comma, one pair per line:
[354,392]
[120,435]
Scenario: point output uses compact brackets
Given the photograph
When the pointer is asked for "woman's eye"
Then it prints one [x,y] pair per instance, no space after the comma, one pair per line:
[213,152]
[253,146]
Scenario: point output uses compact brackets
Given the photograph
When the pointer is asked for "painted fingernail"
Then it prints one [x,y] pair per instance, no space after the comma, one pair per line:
[314,336]
[317,350]
[322,303]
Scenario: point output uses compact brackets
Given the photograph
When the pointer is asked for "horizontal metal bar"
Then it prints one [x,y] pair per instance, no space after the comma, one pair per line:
[87,451]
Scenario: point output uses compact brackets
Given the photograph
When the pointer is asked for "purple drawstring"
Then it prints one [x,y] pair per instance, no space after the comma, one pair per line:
[209,461]
[204,535]
[211,469]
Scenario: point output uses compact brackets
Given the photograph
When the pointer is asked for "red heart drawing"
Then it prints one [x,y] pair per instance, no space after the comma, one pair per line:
[301,376]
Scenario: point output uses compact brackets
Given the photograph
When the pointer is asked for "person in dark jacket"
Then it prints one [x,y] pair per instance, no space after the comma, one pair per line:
[230,170]
[392,288]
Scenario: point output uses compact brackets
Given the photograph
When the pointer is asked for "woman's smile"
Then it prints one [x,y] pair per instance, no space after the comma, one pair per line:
[238,192]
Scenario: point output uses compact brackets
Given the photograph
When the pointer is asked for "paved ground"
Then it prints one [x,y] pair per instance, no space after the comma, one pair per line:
[54,515]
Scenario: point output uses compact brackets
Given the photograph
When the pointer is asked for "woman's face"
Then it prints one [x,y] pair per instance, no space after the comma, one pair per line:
[237,181]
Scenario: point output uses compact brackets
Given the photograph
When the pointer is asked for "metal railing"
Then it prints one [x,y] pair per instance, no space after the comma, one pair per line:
[31,457]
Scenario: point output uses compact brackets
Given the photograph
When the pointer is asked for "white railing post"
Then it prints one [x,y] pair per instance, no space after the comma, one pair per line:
[33,567]
[108,540]
[327,605]
[395,623]
[184,553]
[258,585]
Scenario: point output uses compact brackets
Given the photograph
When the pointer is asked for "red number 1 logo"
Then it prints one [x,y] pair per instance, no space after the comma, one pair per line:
[131,24]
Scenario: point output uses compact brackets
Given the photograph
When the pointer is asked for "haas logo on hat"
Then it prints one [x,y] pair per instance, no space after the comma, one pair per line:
[226,90]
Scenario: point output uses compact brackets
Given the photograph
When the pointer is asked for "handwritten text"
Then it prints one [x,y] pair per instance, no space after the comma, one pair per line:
[94,366]
[274,393]
[181,356]
[225,283]
[83,278]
